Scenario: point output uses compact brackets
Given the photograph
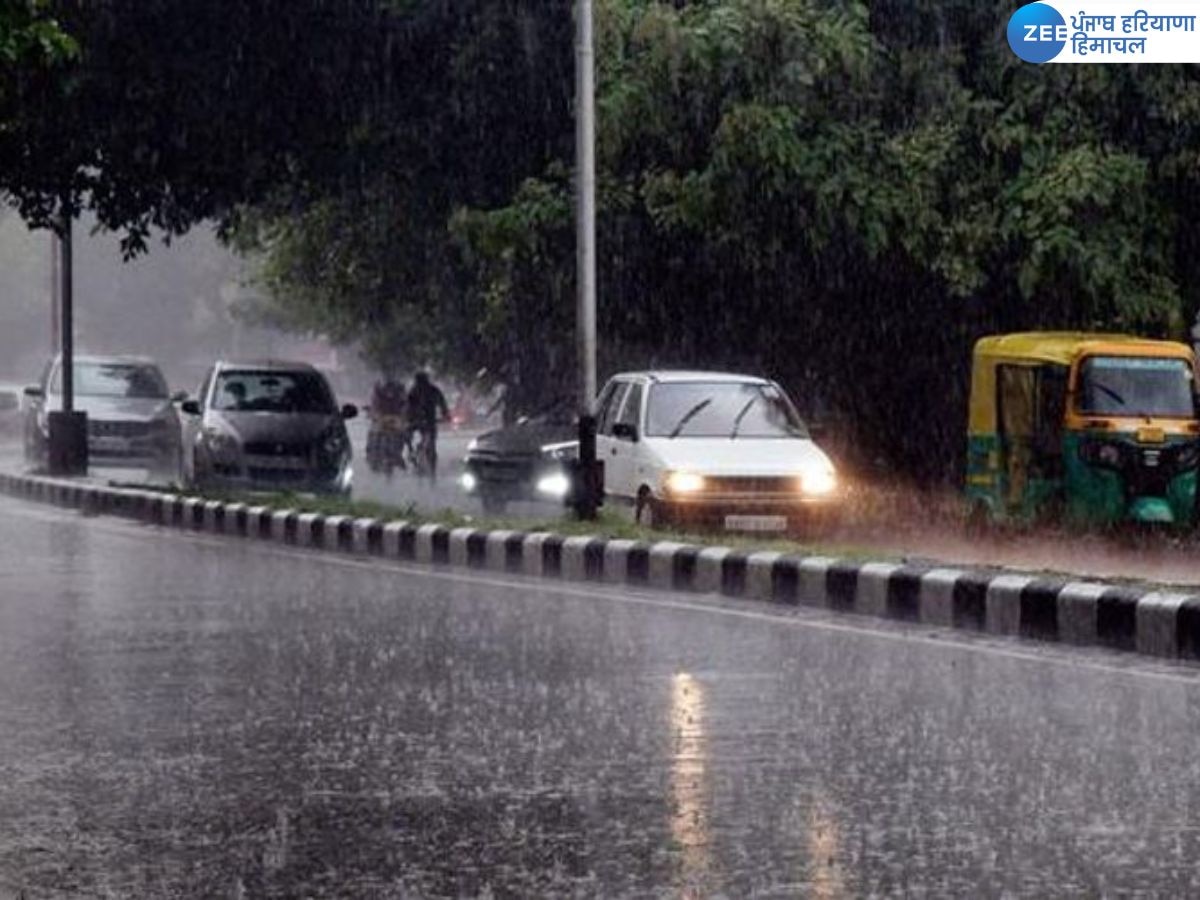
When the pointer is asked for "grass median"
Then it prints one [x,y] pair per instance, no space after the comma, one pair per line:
[610,523]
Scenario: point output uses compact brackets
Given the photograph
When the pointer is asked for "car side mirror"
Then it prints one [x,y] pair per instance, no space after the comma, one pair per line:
[34,391]
[179,397]
[625,432]
[191,407]
[349,411]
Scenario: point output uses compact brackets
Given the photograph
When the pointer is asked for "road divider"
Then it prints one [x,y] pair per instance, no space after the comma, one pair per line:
[1146,620]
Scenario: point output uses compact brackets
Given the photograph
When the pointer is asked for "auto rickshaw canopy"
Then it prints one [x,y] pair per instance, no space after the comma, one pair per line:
[1036,348]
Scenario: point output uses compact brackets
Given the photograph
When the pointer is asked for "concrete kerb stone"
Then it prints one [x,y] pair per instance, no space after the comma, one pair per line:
[460,546]
[362,530]
[936,604]
[1077,606]
[812,584]
[424,542]
[871,588]
[710,566]
[1157,619]
[760,575]
[394,539]
[495,552]
[532,558]
[616,560]
[661,568]
[1003,604]
[281,525]
[310,530]
[582,558]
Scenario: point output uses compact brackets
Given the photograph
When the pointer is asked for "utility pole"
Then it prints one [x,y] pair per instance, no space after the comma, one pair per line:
[68,429]
[55,303]
[589,483]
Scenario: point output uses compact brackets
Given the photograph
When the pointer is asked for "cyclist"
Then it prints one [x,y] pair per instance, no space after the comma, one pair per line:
[426,407]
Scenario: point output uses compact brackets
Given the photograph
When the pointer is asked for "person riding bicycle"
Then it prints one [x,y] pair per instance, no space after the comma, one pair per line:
[426,407]
[389,437]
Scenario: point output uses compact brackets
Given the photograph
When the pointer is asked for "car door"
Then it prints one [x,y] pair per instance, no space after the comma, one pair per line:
[190,429]
[607,408]
[625,454]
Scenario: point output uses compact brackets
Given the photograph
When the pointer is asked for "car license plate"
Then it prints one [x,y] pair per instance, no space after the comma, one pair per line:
[756,523]
[109,445]
[283,463]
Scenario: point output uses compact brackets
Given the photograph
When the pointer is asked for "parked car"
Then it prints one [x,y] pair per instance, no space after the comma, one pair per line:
[267,425]
[10,408]
[524,461]
[131,416]
[722,448]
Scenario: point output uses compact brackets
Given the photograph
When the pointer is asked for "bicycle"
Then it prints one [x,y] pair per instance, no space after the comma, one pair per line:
[422,453]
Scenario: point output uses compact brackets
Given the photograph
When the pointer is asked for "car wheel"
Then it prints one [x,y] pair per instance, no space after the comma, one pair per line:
[651,512]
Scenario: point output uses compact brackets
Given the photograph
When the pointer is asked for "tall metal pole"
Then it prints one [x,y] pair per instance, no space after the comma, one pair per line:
[55,284]
[66,322]
[585,205]
[589,484]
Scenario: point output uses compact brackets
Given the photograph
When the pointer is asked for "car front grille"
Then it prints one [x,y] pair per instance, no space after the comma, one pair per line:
[277,476]
[770,485]
[102,428]
[276,448]
[495,467]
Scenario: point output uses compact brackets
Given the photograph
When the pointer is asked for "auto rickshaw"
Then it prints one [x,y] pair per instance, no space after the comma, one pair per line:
[1099,428]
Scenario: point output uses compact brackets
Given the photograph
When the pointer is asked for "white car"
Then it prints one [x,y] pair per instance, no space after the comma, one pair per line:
[728,449]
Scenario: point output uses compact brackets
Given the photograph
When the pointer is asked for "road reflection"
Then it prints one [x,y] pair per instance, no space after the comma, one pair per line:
[824,839]
[690,823]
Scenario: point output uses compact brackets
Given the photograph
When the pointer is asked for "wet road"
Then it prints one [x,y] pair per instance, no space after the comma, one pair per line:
[184,716]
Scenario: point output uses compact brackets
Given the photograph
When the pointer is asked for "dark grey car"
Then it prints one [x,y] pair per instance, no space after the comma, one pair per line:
[529,460]
[264,425]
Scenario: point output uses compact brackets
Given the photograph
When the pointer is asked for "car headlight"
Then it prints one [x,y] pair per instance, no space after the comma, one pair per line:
[561,452]
[468,482]
[222,446]
[556,485]
[474,442]
[684,482]
[818,481]
[334,444]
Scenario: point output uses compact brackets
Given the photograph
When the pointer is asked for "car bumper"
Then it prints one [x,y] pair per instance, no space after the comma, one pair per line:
[546,482]
[254,477]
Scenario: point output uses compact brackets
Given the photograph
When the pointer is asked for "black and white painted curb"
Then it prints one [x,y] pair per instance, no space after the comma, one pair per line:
[1155,622]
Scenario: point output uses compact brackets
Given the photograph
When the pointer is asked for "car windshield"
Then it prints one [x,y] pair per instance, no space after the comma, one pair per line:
[128,380]
[721,409]
[1136,386]
[275,392]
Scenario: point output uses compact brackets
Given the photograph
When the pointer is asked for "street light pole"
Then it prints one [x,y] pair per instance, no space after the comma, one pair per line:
[589,482]
[585,205]
[68,449]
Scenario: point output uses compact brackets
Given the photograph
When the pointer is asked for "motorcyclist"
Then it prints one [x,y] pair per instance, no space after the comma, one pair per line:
[426,407]
[389,437]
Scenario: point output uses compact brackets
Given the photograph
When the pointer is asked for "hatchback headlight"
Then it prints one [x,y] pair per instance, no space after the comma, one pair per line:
[334,444]
[818,481]
[684,482]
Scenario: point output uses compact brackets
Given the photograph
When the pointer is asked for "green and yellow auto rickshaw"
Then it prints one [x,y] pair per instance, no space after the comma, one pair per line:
[1099,428]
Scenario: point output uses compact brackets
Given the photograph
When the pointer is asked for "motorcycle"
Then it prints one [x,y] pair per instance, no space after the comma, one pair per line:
[388,444]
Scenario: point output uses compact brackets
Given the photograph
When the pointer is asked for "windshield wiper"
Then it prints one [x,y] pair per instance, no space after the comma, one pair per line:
[737,422]
[1106,389]
[689,415]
